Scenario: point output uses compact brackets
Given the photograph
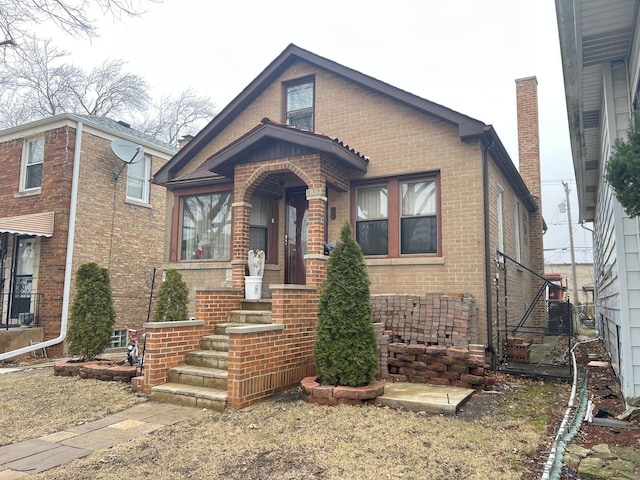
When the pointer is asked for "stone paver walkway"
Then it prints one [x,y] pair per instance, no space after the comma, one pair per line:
[22,459]
[604,462]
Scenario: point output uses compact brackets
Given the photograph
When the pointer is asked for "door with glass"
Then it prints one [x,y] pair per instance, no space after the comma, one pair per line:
[22,275]
[295,239]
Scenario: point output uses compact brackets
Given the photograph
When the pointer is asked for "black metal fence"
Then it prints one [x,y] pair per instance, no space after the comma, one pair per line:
[20,310]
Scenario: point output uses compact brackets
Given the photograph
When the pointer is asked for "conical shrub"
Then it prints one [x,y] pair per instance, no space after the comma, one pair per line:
[92,313]
[172,299]
[346,349]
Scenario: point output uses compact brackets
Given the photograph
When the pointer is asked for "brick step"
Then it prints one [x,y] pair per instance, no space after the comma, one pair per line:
[190,396]
[250,316]
[262,304]
[199,376]
[219,342]
[208,358]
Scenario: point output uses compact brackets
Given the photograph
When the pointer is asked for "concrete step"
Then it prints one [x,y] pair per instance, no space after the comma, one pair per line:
[262,304]
[199,376]
[221,328]
[250,316]
[219,342]
[208,358]
[190,396]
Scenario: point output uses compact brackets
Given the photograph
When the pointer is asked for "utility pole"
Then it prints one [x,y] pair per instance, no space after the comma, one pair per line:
[574,285]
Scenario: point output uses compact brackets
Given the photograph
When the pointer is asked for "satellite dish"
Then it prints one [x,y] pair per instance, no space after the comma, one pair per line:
[128,152]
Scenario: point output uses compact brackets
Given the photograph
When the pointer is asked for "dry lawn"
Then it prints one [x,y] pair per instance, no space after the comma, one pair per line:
[495,437]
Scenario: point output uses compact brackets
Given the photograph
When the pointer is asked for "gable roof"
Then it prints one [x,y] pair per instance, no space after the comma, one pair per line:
[268,130]
[467,127]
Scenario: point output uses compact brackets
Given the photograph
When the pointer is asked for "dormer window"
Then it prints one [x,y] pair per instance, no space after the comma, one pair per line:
[299,104]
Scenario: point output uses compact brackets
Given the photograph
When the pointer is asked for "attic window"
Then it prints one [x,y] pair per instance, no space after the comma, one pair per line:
[299,104]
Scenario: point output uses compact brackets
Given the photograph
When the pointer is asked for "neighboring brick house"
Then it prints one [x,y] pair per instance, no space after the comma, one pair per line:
[309,144]
[66,199]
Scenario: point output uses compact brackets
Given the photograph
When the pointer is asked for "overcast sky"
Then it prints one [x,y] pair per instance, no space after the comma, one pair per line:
[463,54]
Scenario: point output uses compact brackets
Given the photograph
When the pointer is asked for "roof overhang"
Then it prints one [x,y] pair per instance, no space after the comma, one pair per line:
[592,33]
[223,161]
[38,224]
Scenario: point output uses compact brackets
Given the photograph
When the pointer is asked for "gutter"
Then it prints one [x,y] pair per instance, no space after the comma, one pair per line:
[488,255]
[69,259]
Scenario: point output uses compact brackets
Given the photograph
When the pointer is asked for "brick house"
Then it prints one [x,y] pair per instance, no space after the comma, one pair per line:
[309,144]
[66,199]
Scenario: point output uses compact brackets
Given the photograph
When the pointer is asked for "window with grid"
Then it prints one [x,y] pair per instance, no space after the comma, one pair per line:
[118,339]
[33,164]
[300,104]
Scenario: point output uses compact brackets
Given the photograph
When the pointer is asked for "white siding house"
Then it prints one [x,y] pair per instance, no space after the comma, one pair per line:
[600,44]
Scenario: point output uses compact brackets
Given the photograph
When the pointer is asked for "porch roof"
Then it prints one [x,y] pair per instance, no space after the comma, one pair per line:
[267,132]
[38,224]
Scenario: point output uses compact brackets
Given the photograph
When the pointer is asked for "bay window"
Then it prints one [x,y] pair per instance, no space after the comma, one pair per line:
[206,227]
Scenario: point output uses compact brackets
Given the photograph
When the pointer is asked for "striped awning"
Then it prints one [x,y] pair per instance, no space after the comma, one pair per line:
[39,224]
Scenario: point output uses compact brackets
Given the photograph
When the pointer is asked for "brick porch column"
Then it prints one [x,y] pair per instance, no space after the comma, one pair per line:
[240,242]
[315,260]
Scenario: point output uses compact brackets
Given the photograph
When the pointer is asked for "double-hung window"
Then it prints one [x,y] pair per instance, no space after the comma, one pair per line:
[418,219]
[259,224]
[299,105]
[206,227]
[34,159]
[399,217]
[372,219]
[138,175]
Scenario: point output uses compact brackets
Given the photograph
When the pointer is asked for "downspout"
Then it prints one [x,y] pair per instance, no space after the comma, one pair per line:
[69,259]
[488,277]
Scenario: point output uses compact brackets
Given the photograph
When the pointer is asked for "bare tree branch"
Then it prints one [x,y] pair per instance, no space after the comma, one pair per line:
[19,18]
[173,117]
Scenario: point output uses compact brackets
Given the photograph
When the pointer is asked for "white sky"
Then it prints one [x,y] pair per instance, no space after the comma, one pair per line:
[463,54]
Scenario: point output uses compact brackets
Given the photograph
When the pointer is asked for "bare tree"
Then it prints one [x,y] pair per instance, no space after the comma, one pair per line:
[107,90]
[46,85]
[39,83]
[173,117]
[18,18]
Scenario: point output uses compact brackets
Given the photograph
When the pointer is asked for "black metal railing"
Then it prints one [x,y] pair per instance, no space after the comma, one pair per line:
[20,309]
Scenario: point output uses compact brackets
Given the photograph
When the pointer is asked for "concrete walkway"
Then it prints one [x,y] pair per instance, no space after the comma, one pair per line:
[22,459]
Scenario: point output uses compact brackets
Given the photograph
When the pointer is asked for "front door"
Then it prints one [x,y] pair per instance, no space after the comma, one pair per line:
[295,238]
[22,275]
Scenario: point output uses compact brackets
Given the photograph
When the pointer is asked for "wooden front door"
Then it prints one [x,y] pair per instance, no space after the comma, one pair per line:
[295,238]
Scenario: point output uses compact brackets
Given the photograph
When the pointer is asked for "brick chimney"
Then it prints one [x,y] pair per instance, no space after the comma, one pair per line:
[529,166]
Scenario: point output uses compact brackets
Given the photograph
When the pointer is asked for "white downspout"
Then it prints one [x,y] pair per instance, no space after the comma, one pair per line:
[64,320]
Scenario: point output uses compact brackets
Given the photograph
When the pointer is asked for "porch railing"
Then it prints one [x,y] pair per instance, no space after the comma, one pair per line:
[20,310]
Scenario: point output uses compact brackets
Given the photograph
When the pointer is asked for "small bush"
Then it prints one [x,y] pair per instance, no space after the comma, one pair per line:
[346,348]
[172,299]
[92,312]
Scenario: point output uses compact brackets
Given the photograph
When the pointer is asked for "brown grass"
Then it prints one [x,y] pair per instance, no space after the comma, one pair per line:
[284,438]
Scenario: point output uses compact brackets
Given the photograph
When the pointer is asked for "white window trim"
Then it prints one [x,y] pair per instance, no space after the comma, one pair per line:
[23,168]
[145,185]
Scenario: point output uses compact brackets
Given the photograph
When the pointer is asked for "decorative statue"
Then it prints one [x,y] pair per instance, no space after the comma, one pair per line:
[256,263]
